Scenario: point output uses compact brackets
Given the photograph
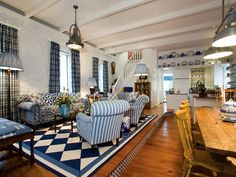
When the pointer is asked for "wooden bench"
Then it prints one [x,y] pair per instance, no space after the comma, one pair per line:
[13,132]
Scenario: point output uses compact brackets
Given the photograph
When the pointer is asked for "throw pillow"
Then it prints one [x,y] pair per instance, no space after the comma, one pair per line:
[112,96]
[133,96]
[37,99]
[48,98]
[75,97]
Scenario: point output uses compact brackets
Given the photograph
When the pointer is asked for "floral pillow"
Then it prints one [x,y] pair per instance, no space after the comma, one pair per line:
[75,97]
[37,99]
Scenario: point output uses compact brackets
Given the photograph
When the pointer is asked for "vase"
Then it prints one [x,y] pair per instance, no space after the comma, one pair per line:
[64,110]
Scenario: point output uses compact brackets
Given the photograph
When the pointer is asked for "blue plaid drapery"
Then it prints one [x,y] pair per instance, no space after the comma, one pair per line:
[54,73]
[8,43]
[105,78]
[95,69]
[75,70]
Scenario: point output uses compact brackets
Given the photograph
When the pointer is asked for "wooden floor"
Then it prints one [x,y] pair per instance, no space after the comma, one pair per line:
[161,156]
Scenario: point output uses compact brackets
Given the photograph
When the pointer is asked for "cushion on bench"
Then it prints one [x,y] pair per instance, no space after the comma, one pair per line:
[9,128]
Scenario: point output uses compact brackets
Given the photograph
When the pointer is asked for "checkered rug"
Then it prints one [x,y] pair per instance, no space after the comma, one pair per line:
[63,153]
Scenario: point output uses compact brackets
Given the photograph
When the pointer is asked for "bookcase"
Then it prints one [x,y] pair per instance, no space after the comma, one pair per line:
[144,88]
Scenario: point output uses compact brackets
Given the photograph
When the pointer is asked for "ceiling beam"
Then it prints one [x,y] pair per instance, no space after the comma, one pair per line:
[183,38]
[40,6]
[128,4]
[170,16]
[161,34]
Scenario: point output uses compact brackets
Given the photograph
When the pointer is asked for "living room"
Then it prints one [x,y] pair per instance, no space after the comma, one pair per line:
[68,67]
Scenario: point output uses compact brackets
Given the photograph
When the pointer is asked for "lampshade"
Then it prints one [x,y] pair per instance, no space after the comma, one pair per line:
[214,53]
[92,82]
[10,61]
[141,70]
[75,41]
[226,33]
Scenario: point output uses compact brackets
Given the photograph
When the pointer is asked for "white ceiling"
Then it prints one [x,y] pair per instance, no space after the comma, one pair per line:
[120,25]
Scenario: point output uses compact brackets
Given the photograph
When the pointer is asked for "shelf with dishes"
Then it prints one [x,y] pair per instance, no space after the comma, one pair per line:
[181,62]
[181,55]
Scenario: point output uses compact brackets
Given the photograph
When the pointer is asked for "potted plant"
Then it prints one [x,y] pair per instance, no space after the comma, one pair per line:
[64,104]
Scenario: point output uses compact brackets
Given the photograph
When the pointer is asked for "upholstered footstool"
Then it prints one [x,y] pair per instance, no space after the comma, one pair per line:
[13,132]
[125,126]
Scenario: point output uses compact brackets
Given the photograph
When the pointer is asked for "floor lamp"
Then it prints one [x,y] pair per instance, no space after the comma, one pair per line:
[10,62]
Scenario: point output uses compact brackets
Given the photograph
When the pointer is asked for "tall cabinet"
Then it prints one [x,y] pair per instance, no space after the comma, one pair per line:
[144,88]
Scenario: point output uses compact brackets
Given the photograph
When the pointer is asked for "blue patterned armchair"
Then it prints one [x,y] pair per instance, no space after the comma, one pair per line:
[136,109]
[104,124]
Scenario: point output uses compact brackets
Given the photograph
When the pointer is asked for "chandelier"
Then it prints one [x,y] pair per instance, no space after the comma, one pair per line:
[75,41]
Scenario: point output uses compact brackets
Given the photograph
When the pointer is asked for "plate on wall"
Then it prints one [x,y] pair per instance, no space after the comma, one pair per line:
[190,53]
[197,62]
[173,64]
[190,63]
[184,63]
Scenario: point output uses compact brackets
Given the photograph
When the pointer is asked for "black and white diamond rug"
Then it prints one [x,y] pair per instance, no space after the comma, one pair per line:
[63,153]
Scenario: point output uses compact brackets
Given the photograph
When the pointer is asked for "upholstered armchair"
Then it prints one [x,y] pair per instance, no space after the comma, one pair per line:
[136,109]
[104,124]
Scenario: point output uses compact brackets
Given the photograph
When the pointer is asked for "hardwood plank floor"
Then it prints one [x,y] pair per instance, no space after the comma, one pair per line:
[162,155]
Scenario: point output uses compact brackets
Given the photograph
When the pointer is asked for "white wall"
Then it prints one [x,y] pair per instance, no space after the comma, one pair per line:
[34,51]
[149,58]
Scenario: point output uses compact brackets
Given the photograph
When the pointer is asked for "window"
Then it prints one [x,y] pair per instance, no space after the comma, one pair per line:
[100,76]
[65,71]
[167,83]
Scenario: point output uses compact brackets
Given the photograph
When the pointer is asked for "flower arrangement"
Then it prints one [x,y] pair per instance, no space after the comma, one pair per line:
[64,99]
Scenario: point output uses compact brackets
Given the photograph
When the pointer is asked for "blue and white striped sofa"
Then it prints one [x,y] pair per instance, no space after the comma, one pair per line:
[136,109]
[104,124]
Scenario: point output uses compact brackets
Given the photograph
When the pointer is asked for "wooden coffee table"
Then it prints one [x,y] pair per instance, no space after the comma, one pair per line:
[70,118]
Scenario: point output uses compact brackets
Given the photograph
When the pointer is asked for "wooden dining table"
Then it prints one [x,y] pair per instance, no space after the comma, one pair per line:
[219,137]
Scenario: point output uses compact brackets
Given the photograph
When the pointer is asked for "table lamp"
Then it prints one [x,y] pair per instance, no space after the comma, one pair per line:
[141,70]
[92,83]
[10,62]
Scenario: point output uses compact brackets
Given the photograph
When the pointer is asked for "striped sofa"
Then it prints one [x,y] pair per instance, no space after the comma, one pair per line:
[136,109]
[104,124]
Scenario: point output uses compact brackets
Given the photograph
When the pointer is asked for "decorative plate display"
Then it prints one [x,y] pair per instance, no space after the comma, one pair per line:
[197,62]
[198,53]
[184,63]
[173,64]
[170,56]
[177,55]
[165,56]
[190,63]
[164,65]
[190,53]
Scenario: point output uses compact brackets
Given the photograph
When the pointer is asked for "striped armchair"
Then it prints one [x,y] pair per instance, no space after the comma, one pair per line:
[104,124]
[136,109]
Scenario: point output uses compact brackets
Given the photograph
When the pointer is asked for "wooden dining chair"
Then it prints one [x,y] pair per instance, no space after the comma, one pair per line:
[193,156]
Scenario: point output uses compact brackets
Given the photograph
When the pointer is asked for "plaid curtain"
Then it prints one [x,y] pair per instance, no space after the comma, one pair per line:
[75,70]
[95,69]
[54,73]
[105,78]
[8,43]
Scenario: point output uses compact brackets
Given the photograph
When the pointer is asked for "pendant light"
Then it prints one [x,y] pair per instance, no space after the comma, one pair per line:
[226,33]
[216,52]
[75,41]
